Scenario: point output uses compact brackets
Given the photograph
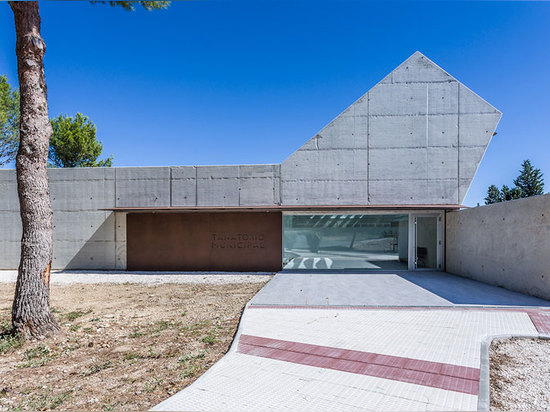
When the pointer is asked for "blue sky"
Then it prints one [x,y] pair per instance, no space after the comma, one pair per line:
[240,82]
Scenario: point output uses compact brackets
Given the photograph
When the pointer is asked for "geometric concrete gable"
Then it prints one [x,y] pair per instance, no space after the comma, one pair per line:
[416,137]
[331,168]
[417,69]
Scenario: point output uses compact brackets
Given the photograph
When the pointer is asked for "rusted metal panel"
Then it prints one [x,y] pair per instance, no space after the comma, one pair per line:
[205,241]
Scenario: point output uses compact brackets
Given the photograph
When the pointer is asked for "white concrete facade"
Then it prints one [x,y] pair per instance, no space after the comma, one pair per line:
[417,137]
[505,244]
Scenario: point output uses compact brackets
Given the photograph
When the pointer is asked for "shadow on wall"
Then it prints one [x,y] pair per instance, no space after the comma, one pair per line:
[99,251]
[462,291]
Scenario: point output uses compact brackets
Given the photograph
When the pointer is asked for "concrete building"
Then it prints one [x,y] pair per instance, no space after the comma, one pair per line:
[370,190]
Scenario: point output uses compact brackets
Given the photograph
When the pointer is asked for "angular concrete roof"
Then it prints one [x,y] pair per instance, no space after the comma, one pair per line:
[418,136]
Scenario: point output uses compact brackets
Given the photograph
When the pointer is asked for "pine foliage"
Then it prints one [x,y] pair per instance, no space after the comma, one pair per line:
[493,195]
[9,121]
[529,183]
[131,5]
[530,180]
[74,143]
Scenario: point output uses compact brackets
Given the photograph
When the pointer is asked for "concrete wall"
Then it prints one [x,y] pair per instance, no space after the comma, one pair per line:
[417,137]
[10,223]
[244,185]
[505,244]
[85,237]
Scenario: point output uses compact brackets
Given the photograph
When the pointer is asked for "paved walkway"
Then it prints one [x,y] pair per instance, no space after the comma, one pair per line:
[386,289]
[409,341]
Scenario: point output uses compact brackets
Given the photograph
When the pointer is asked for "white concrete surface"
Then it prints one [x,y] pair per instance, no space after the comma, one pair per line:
[386,288]
[506,244]
[248,383]
[418,136]
[447,336]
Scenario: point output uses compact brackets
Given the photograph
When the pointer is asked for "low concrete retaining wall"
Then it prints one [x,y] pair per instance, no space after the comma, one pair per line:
[505,244]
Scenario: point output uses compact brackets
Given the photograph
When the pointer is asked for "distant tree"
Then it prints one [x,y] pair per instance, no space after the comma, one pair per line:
[131,5]
[493,195]
[528,183]
[510,194]
[74,143]
[9,121]
[530,180]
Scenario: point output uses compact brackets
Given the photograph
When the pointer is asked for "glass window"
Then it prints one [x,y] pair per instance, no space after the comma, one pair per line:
[345,241]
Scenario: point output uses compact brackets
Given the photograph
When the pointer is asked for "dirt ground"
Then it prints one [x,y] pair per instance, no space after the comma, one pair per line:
[520,374]
[121,347]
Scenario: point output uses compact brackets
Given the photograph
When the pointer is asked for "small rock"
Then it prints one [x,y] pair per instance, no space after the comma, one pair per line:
[122,349]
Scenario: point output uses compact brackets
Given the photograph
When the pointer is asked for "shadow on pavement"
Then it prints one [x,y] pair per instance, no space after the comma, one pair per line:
[463,291]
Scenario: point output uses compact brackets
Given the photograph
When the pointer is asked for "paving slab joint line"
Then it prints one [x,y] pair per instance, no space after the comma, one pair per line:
[483,399]
[456,307]
[232,348]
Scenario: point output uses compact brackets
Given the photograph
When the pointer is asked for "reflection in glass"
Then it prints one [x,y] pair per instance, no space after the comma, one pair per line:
[345,241]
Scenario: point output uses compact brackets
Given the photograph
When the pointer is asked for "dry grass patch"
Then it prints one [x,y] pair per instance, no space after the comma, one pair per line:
[121,347]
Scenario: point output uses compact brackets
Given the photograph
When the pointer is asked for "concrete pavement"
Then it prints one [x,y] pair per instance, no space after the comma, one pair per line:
[422,354]
[400,288]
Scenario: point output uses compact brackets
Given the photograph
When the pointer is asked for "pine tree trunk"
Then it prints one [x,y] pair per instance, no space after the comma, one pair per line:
[31,315]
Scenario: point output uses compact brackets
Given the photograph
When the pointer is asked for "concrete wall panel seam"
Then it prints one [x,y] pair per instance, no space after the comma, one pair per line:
[368,147]
[458,148]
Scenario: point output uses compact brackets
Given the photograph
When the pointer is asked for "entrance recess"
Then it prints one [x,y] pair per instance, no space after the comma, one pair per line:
[427,242]
[370,241]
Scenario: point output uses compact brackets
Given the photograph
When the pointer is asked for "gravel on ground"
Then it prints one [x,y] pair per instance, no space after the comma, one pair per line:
[71,277]
[520,374]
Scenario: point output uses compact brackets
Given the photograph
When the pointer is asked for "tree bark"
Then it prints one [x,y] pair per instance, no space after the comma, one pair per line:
[31,316]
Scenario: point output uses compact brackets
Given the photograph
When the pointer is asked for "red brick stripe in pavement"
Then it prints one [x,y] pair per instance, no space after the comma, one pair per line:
[541,321]
[434,374]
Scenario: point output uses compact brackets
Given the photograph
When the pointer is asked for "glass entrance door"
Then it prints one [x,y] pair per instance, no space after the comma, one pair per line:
[427,242]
